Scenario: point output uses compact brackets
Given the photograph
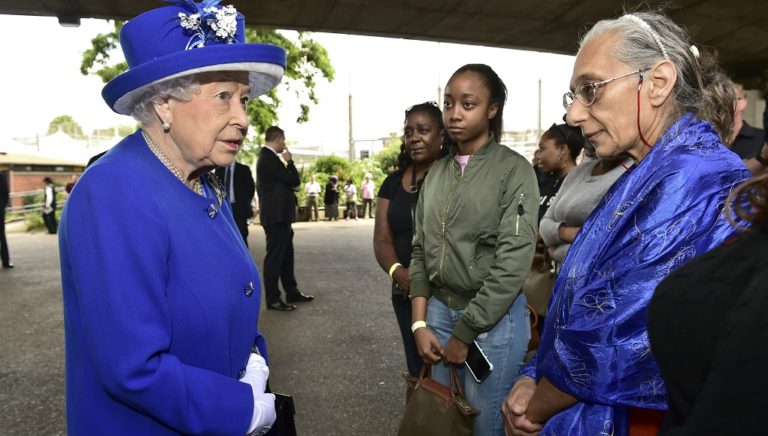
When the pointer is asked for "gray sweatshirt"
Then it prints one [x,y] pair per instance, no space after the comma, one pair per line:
[579,195]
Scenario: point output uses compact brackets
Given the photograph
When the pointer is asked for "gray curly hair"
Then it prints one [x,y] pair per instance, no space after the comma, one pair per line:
[180,88]
[641,45]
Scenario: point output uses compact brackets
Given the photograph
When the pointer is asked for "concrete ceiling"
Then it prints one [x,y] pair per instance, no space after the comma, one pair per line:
[738,29]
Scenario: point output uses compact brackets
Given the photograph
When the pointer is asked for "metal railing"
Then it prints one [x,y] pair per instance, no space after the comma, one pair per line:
[18,213]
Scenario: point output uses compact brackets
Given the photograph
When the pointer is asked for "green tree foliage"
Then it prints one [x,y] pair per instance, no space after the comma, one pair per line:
[307,60]
[387,158]
[96,59]
[331,165]
[126,129]
[66,124]
[326,166]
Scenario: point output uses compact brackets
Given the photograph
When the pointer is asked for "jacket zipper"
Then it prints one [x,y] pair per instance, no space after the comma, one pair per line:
[446,206]
[520,212]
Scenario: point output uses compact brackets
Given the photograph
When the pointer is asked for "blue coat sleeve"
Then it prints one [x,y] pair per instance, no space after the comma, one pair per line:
[119,253]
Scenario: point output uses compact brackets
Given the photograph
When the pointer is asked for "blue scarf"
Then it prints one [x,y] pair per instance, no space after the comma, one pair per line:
[656,217]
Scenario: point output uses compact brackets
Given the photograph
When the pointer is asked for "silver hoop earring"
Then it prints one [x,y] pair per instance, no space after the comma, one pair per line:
[166,127]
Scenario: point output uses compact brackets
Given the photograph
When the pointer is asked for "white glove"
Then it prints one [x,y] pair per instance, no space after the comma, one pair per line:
[256,375]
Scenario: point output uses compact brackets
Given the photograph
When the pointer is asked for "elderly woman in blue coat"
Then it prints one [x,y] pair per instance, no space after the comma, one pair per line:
[161,296]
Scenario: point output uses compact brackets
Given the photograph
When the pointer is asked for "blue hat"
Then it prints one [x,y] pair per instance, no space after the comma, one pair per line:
[188,38]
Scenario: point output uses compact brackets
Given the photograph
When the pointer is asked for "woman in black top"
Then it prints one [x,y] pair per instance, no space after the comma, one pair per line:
[423,140]
[558,149]
[708,328]
[331,199]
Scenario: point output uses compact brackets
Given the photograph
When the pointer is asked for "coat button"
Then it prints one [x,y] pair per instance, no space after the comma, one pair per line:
[212,211]
[248,289]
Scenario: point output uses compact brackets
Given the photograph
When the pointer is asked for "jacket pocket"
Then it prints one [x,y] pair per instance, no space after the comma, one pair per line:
[484,257]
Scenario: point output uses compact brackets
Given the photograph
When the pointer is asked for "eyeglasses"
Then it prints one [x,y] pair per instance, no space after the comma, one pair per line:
[587,94]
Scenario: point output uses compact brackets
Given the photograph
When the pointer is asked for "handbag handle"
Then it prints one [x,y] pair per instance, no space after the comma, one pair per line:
[456,382]
[454,387]
[534,315]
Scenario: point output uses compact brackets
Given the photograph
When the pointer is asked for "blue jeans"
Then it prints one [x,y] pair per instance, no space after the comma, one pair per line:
[505,346]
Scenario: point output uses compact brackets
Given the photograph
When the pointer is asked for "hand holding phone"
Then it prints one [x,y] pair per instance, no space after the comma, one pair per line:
[477,363]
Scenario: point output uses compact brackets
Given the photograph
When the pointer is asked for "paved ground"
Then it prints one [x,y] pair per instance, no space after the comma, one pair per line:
[340,356]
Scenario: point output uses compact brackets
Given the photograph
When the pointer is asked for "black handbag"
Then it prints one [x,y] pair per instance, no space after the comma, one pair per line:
[284,424]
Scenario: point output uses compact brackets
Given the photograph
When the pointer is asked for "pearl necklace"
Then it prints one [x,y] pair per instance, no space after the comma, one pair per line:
[196,187]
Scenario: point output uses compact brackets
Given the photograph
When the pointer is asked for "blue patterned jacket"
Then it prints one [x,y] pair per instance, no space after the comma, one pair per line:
[655,218]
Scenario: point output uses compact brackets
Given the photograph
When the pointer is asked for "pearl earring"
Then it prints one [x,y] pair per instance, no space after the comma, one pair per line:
[166,127]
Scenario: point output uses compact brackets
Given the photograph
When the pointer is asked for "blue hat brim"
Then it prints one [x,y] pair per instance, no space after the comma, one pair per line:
[265,64]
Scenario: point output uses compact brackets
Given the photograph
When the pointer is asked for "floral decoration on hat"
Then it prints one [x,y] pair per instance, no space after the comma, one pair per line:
[189,37]
[207,21]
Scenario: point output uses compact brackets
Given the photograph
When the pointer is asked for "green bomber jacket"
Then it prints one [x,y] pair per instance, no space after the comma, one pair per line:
[475,235]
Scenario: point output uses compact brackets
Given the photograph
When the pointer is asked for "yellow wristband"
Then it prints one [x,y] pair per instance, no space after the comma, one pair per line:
[392,269]
[417,325]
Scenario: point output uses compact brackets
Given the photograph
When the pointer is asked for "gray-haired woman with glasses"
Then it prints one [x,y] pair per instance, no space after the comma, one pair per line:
[638,91]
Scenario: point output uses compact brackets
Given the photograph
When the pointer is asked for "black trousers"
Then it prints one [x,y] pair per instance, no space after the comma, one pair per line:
[3,243]
[367,203]
[50,222]
[278,262]
[242,225]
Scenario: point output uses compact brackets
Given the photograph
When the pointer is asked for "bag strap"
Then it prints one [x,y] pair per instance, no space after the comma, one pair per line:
[534,316]
[454,387]
[456,382]
[425,373]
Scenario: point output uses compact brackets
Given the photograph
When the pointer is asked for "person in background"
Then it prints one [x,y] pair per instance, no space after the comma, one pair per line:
[312,189]
[758,164]
[559,147]
[535,163]
[721,88]
[71,184]
[350,198]
[240,189]
[49,206]
[367,192]
[331,199]
[746,141]
[4,196]
[579,194]
[161,296]
[706,325]
[276,184]
[94,158]
[423,139]
[473,246]
[637,86]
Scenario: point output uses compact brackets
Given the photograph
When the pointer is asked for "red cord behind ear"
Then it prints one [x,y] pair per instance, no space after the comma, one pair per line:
[640,85]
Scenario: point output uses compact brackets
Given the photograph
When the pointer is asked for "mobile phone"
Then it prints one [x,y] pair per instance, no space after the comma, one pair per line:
[477,363]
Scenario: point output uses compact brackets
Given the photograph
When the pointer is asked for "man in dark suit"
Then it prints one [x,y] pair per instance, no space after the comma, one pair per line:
[275,184]
[240,188]
[4,195]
